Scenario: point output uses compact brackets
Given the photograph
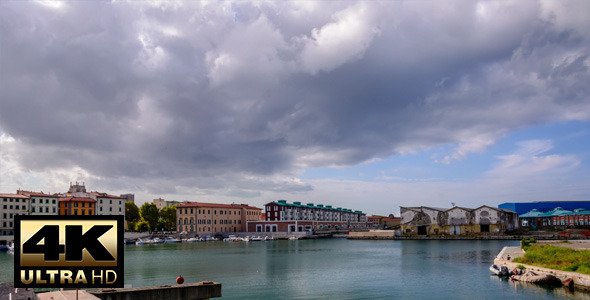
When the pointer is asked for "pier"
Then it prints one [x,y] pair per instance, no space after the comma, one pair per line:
[189,291]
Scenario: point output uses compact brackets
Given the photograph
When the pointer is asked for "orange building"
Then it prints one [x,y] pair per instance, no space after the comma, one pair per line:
[76,206]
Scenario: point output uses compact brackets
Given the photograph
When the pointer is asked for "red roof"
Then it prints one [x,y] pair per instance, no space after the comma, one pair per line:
[14,196]
[76,199]
[35,194]
[105,195]
[246,206]
[202,204]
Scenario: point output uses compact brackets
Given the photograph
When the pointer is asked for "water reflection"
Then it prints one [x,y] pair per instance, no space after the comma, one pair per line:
[331,269]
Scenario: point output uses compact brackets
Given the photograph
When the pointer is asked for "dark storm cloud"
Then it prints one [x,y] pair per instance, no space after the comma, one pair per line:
[241,95]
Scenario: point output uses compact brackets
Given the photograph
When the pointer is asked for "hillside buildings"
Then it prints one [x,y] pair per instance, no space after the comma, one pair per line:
[281,216]
[457,220]
[161,203]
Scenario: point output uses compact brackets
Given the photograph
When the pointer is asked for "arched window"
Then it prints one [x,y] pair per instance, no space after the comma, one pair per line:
[179,221]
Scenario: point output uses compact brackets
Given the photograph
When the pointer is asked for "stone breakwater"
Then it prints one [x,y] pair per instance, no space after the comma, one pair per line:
[508,254]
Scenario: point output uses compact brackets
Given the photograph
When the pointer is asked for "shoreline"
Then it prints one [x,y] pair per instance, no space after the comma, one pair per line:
[507,254]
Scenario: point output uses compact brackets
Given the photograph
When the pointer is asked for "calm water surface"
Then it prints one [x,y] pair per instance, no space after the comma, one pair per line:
[330,269]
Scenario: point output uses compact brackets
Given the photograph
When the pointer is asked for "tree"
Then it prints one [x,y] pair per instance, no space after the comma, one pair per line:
[149,213]
[168,218]
[142,226]
[131,212]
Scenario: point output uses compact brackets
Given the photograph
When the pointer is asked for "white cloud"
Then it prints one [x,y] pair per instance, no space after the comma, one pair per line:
[473,144]
[341,41]
[528,163]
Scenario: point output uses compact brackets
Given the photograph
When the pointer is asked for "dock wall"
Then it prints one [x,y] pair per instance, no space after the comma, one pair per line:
[190,291]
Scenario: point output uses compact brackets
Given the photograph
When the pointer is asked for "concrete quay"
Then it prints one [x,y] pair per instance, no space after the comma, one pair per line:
[508,254]
[188,291]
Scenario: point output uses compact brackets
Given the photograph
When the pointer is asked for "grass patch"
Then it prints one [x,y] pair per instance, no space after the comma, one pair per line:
[558,258]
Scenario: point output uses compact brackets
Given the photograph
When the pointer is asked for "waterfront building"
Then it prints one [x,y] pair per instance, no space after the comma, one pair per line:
[104,204]
[109,204]
[212,218]
[11,205]
[457,220]
[382,221]
[249,213]
[281,216]
[40,203]
[374,221]
[557,218]
[544,206]
[76,206]
[422,220]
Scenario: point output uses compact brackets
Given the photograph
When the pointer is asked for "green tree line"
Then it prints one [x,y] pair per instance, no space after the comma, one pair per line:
[149,218]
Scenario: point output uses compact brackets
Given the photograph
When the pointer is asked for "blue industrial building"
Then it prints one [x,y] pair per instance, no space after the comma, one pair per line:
[544,206]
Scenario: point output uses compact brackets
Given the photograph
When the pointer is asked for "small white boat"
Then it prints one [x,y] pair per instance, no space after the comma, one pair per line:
[293,237]
[192,240]
[231,238]
[157,241]
[256,239]
[140,242]
[500,270]
[171,240]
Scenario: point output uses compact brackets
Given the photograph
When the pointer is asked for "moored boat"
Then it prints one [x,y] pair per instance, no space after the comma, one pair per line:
[500,270]
[171,240]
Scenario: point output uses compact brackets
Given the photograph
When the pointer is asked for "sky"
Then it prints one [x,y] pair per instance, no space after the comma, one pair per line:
[365,105]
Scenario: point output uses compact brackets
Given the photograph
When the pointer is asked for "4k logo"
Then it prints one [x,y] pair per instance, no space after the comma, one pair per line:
[68,251]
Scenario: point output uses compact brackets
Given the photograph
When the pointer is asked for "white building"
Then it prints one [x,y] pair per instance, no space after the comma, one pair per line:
[109,204]
[11,205]
[40,203]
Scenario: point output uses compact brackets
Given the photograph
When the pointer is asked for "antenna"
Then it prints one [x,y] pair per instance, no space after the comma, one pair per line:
[453,204]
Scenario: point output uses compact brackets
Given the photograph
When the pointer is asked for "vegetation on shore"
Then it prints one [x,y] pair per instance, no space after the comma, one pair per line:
[558,258]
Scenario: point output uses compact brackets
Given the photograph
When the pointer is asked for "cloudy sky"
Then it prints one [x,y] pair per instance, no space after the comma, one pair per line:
[364,105]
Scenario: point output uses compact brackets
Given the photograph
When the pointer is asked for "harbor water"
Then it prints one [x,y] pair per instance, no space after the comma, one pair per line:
[330,269]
